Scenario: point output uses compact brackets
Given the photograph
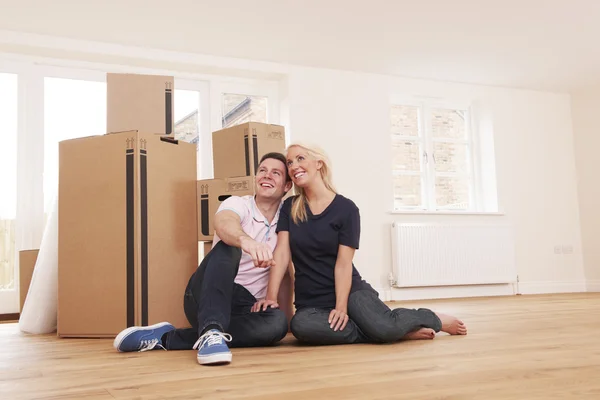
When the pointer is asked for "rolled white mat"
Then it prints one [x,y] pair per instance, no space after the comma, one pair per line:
[39,314]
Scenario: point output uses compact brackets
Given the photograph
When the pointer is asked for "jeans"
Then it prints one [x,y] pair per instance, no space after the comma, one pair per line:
[213,298]
[369,321]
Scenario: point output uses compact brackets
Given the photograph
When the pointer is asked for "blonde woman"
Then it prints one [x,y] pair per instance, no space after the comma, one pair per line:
[319,230]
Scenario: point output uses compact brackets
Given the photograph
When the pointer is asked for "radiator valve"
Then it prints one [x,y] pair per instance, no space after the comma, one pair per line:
[391,280]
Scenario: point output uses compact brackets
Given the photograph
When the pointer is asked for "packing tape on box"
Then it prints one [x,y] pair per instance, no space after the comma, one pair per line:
[39,314]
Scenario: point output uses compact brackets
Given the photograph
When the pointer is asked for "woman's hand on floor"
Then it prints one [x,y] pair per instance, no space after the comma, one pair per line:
[338,319]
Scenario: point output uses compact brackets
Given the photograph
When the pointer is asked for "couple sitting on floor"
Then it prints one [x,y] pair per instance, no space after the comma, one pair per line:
[231,299]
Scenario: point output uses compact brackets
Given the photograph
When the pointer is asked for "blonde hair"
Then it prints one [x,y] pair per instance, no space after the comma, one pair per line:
[300,203]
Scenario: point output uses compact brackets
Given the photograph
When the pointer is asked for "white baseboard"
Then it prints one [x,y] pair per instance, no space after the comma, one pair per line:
[552,287]
[384,294]
[593,286]
[446,292]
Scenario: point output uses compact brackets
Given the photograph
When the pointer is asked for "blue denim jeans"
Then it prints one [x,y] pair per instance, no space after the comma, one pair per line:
[369,321]
[213,298]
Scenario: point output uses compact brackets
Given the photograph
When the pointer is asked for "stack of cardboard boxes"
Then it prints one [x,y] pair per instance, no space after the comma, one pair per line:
[236,154]
[131,210]
[127,215]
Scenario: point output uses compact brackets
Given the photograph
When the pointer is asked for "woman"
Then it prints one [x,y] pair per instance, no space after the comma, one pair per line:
[320,230]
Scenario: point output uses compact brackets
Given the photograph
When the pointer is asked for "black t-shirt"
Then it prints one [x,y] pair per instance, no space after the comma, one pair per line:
[314,245]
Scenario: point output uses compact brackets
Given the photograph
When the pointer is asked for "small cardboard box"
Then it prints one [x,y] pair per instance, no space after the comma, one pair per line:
[127,232]
[139,102]
[211,193]
[206,247]
[237,150]
[27,260]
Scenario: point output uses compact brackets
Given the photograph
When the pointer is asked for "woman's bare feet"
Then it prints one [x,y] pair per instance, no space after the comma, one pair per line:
[452,325]
[421,334]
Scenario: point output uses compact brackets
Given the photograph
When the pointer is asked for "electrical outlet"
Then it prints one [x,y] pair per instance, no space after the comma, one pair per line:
[567,249]
[557,249]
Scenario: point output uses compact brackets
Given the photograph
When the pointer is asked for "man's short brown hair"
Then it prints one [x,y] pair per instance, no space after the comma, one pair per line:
[278,156]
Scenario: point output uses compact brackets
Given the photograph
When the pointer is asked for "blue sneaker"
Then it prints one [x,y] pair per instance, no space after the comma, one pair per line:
[142,338]
[212,348]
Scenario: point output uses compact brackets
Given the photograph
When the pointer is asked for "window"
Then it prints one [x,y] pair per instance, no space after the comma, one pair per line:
[187,115]
[432,162]
[8,179]
[238,109]
[72,108]
[193,118]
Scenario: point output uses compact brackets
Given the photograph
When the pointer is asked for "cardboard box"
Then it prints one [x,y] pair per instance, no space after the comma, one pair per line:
[127,232]
[238,150]
[139,102]
[27,260]
[206,247]
[211,193]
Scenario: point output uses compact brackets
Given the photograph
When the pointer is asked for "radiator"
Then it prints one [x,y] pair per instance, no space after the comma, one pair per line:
[452,254]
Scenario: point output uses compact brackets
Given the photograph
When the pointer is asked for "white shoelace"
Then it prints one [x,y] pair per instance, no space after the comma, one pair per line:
[146,345]
[212,337]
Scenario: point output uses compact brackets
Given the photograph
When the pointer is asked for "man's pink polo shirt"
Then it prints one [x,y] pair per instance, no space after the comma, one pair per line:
[255,225]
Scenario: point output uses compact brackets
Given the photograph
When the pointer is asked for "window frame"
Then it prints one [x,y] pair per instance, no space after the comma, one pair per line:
[9,298]
[426,142]
[421,141]
[204,126]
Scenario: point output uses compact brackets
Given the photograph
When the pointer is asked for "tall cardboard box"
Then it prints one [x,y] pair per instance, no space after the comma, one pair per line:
[211,193]
[127,232]
[238,150]
[139,102]
[27,260]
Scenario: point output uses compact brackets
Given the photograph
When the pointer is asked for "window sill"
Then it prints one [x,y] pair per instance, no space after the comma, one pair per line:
[446,212]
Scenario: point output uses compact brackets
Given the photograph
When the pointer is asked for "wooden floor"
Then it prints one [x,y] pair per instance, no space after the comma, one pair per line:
[524,347]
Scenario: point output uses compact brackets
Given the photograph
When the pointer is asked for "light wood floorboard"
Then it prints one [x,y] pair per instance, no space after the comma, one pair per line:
[522,347]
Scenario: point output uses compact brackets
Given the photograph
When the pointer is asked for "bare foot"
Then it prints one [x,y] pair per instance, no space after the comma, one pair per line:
[452,325]
[421,334]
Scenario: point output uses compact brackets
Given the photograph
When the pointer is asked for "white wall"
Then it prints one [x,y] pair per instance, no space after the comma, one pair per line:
[585,106]
[347,114]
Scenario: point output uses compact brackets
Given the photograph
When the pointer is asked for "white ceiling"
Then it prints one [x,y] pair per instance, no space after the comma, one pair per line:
[537,44]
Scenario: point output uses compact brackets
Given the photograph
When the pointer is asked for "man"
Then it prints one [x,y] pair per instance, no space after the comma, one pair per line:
[230,279]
